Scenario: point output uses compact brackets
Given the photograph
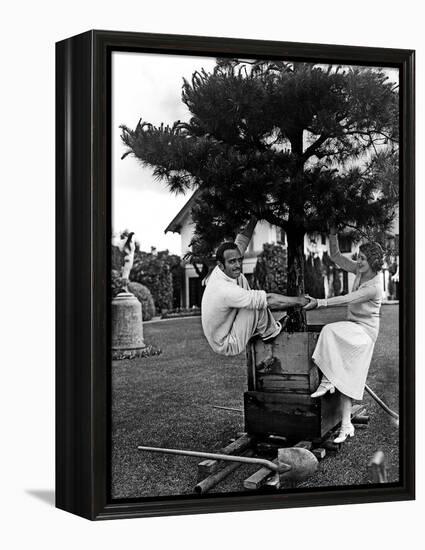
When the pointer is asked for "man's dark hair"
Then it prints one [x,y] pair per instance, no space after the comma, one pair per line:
[219,255]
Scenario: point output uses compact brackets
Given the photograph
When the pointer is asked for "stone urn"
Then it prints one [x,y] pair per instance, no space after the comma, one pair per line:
[127,324]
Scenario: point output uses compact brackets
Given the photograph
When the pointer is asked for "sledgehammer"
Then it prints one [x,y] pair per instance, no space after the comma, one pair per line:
[293,463]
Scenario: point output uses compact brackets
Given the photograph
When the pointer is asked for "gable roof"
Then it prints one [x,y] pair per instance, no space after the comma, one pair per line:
[176,223]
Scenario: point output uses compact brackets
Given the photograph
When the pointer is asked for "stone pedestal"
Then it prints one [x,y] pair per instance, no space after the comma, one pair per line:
[127,323]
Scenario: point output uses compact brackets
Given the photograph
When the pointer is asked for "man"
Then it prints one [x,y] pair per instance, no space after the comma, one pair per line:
[231,312]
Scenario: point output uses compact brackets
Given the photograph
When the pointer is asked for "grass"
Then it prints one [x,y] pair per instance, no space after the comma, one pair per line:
[167,401]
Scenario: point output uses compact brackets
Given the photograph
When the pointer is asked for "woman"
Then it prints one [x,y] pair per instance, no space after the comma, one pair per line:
[344,349]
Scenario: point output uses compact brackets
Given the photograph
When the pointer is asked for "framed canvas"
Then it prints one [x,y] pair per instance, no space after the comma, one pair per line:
[182,385]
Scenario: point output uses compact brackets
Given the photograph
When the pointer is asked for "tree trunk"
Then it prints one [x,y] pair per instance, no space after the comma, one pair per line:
[295,285]
[295,235]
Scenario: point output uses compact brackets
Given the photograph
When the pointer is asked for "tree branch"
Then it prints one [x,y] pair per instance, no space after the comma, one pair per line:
[196,268]
[369,134]
[275,220]
[314,146]
[357,229]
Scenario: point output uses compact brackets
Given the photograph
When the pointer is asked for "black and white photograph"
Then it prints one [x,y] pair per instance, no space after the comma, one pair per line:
[212,236]
[255,288]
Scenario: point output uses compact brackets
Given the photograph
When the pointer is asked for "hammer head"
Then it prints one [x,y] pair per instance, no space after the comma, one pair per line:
[302,463]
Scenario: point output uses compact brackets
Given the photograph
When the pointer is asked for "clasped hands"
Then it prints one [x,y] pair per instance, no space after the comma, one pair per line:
[281,302]
[311,304]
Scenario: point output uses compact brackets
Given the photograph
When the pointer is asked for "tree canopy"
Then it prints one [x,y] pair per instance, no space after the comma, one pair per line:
[297,144]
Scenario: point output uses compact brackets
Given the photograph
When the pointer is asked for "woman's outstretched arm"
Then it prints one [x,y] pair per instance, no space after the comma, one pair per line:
[337,257]
[363,294]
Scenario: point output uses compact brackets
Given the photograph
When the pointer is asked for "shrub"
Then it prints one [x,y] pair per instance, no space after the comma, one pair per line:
[270,272]
[181,312]
[153,271]
[177,275]
[145,298]
[141,292]
[116,281]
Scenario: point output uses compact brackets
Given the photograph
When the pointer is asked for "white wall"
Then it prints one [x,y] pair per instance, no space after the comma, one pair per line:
[29,31]
[186,234]
[263,233]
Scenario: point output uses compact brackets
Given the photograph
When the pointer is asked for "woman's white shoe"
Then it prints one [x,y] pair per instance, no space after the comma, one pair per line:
[344,432]
[325,387]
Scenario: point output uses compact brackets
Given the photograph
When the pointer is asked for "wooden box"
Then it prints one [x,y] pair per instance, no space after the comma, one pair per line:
[293,415]
[278,399]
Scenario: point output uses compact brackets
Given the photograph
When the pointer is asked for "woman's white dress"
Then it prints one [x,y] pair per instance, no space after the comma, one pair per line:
[344,349]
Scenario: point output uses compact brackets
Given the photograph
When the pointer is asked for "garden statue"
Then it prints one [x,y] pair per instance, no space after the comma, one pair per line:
[127,320]
[125,245]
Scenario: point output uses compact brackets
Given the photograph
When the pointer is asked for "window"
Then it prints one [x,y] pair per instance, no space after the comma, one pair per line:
[281,236]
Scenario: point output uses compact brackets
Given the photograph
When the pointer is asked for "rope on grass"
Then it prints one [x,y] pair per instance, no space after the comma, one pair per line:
[382,404]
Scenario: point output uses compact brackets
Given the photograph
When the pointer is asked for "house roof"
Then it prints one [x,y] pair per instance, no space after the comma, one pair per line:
[176,223]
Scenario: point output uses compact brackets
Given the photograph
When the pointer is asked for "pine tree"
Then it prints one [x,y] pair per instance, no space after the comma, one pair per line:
[300,145]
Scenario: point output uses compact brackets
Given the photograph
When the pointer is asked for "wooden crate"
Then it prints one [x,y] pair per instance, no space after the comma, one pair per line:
[292,371]
[278,398]
[295,416]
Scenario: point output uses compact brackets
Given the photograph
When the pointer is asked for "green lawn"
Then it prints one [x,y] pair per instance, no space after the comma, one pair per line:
[167,401]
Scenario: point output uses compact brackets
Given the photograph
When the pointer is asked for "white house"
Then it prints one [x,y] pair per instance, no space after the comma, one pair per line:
[264,233]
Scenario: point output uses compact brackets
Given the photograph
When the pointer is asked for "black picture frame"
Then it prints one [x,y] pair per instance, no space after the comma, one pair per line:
[82,313]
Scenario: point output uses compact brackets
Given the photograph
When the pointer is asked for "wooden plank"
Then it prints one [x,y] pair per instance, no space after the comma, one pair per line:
[329,445]
[267,447]
[259,478]
[214,479]
[287,391]
[250,361]
[272,444]
[358,409]
[360,426]
[238,445]
[209,466]
[272,482]
[287,402]
[304,445]
[281,439]
[319,453]
[290,349]
[286,383]
[360,419]
[330,412]
[315,328]
[312,341]
[314,378]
